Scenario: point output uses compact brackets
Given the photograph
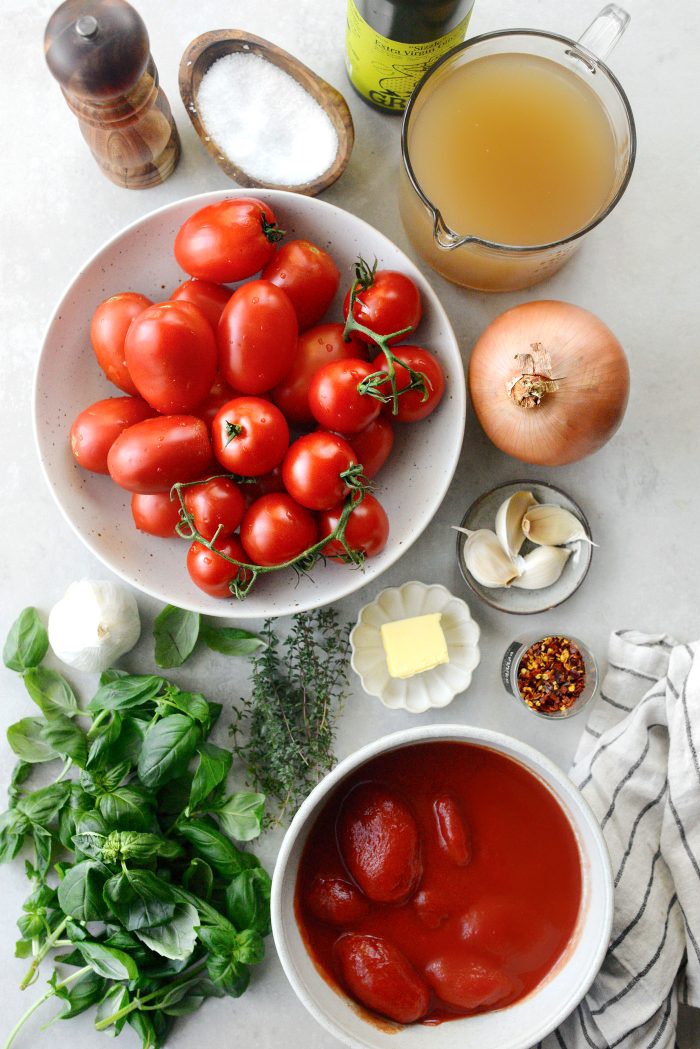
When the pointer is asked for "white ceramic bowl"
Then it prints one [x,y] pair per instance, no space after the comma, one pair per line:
[432,688]
[68,379]
[522,1024]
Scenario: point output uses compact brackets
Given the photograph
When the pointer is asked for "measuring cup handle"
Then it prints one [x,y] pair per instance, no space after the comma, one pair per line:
[604,32]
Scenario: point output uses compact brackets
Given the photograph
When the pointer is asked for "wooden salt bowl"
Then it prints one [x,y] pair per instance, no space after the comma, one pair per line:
[207,48]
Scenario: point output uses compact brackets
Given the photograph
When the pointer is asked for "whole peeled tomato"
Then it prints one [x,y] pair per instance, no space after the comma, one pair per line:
[381,977]
[469,982]
[521,938]
[211,298]
[108,327]
[367,529]
[312,469]
[171,355]
[414,405]
[308,275]
[335,901]
[96,429]
[156,513]
[390,302]
[276,529]
[250,436]
[379,842]
[452,831]
[228,241]
[373,445]
[216,505]
[257,337]
[214,574]
[335,400]
[315,347]
[155,454]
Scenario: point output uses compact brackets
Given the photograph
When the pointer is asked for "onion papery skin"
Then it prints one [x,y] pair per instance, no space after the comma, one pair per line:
[593,383]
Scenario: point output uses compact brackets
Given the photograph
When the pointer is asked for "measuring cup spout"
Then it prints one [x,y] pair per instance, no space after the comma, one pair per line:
[596,43]
[445,237]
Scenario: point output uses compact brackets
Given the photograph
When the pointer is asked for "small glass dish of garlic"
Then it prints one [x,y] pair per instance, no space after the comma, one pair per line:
[524,547]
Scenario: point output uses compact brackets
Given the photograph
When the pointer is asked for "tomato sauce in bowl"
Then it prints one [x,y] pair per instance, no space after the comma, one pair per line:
[440,880]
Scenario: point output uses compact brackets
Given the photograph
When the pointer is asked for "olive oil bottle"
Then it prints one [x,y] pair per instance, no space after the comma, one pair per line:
[391,43]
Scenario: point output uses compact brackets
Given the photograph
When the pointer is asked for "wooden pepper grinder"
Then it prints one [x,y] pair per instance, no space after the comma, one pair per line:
[99,52]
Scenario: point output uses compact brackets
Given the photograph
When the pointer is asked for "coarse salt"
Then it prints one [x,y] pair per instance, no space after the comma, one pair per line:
[264,120]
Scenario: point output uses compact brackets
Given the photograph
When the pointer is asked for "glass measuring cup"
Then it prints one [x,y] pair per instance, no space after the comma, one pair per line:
[487,265]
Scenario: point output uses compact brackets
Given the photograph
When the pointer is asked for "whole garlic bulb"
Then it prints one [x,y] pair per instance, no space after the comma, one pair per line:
[93,624]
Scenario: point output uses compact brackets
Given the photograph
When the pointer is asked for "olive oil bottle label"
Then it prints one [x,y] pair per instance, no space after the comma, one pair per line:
[386,71]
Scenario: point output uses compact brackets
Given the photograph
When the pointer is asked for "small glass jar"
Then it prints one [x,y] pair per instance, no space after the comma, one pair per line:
[514,681]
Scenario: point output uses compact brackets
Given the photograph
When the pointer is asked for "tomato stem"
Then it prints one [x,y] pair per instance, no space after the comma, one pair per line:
[271,229]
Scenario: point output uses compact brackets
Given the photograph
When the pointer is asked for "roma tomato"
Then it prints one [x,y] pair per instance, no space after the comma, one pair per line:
[308,275]
[276,529]
[315,347]
[377,973]
[228,241]
[469,982]
[171,356]
[215,504]
[312,467]
[367,529]
[219,395]
[373,445]
[378,840]
[155,454]
[250,436]
[412,407]
[257,337]
[335,901]
[389,303]
[156,513]
[96,429]
[334,398]
[108,327]
[212,573]
[211,298]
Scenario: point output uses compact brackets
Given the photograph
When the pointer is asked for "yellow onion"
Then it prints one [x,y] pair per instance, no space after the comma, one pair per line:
[549,382]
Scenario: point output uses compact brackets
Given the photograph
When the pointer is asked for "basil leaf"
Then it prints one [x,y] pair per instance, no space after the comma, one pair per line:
[108,961]
[213,768]
[24,949]
[144,1025]
[13,829]
[51,692]
[102,781]
[248,900]
[129,808]
[66,737]
[125,693]
[115,1000]
[42,805]
[43,849]
[79,802]
[27,642]
[139,899]
[192,703]
[213,846]
[138,847]
[175,631]
[230,641]
[25,738]
[102,741]
[241,815]
[86,991]
[90,843]
[199,879]
[177,939]
[230,976]
[80,892]
[167,748]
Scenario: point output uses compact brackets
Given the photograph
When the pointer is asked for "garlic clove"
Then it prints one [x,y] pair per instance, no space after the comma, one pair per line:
[542,567]
[93,624]
[550,525]
[487,561]
[509,521]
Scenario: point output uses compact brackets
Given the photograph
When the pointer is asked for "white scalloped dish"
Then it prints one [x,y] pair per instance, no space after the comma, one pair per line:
[432,688]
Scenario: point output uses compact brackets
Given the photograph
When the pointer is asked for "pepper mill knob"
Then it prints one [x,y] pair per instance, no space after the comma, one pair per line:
[99,52]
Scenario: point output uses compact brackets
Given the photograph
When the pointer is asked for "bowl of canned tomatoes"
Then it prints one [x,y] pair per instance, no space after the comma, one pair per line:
[249,403]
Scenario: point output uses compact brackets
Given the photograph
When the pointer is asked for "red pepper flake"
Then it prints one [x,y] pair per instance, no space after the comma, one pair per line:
[551,675]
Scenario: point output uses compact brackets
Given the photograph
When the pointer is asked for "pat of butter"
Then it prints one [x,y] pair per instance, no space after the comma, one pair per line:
[414,645]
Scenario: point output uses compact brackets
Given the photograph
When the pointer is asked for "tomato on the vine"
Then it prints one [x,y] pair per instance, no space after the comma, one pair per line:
[373,445]
[334,398]
[389,301]
[215,504]
[315,347]
[212,573]
[211,298]
[257,337]
[156,513]
[312,469]
[367,529]
[250,436]
[228,241]
[308,275]
[171,356]
[96,429]
[276,529]
[411,406]
[155,454]
[108,327]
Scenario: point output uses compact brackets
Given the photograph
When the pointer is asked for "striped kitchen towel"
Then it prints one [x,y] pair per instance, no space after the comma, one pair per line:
[638,766]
